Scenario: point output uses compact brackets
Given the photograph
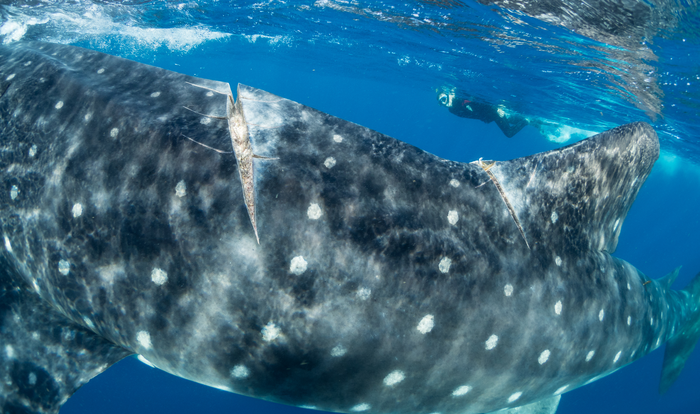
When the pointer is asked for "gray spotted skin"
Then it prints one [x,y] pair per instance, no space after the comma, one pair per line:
[386,279]
[44,357]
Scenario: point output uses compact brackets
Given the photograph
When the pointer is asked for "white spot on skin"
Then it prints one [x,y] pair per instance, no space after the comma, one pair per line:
[181,189]
[337,138]
[452,217]
[590,356]
[426,324]
[360,407]
[158,276]
[101,71]
[298,265]
[329,162]
[561,389]
[88,116]
[88,322]
[114,132]
[8,246]
[28,63]
[59,105]
[32,378]
[601,315]
[32,151]
[491,342]
[629,287]
[454,183]
[554,217]
[11,77]
[629,320]
[155,94]
[544,356]
[205,121]
[445,264]
[557,308]
[514,397]
[270,332]
[394,378]
[651,321]
[617,356]
[461,391]
[13,192]
[338,351]
[63,267]
[240,371]
[314,212]
[9,351]
[508,289]
[144,338]
[77,210]
[363,293]
[557,260]
[210,93]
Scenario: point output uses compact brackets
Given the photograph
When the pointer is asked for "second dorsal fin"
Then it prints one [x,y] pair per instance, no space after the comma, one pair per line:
[578,196]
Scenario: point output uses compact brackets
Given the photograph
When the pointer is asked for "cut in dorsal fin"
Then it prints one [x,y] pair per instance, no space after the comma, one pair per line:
[578,196]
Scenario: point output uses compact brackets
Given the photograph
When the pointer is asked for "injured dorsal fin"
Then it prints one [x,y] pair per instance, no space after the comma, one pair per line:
[578,196]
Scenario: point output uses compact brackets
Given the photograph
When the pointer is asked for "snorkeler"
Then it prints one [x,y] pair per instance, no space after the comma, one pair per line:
[510,123]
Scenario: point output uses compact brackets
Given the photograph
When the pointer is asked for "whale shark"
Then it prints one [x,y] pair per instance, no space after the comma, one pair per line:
[259,246]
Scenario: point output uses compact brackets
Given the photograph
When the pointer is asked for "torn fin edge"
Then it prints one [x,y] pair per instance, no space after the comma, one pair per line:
[242,149]
[244,154]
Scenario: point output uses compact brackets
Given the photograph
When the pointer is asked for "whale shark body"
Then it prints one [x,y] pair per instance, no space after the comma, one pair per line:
[263,247]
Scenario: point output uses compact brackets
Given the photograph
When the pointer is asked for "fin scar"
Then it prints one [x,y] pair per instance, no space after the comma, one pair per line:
[208,116]
[242,149]
[207,146]
[511,210]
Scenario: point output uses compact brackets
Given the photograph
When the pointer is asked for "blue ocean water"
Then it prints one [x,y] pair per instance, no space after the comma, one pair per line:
[580,67]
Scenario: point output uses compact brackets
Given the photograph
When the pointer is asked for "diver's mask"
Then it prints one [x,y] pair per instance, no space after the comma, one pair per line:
[446,97]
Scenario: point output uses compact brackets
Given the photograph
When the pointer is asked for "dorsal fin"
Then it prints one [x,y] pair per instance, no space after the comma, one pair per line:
[668,280]
[578,196]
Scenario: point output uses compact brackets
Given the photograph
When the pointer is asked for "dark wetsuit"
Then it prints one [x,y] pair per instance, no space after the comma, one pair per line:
[510,125]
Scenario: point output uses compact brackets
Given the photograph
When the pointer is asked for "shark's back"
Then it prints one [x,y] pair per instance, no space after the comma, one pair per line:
[320,264]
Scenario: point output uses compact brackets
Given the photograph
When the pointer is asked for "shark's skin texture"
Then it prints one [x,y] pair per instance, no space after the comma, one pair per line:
[385,280]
